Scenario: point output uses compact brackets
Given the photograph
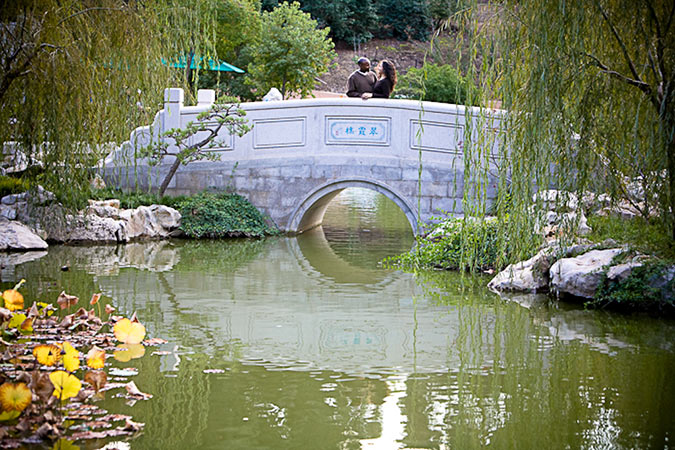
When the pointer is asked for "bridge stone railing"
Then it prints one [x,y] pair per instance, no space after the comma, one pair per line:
[302,153]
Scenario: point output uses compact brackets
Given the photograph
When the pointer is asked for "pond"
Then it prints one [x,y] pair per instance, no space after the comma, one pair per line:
[307,342]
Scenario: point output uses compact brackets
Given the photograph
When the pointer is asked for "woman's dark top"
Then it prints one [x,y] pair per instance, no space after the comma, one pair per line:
[382,88]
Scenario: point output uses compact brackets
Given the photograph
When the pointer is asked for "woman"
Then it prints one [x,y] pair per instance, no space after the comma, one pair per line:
[386,80]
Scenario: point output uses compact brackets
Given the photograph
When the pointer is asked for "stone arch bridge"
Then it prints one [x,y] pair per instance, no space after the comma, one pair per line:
[301,153]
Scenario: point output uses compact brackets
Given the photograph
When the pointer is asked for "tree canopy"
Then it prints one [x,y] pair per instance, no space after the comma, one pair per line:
[76,77]
[290,52]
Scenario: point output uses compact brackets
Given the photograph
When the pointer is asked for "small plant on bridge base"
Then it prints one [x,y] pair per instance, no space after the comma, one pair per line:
[185,149]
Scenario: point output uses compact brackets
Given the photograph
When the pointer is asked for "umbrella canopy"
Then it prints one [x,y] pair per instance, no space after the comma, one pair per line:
[211,64]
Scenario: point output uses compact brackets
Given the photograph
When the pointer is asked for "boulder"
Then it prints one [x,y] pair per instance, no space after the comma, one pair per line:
[580,276]
[525,276]
[89,228]
[156,221]
[16,236]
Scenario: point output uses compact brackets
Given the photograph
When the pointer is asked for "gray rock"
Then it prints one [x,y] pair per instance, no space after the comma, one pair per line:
[580,276]
[156,221]
[16,236]
[90,228]
[8,212]
[525,276]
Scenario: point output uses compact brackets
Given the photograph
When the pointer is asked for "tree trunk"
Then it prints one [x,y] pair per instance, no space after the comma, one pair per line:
[168,177]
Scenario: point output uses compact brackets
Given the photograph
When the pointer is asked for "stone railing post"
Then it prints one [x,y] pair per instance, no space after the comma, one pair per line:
[173,103]
[206,97]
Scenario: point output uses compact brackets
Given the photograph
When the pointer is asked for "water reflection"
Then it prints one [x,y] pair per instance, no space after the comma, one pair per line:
[316,349]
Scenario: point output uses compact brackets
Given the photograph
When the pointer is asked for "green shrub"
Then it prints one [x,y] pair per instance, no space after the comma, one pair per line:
[463,244]
[11,185]
[442,84]
[638,292]
[221,215]
[648,237]
[134,199]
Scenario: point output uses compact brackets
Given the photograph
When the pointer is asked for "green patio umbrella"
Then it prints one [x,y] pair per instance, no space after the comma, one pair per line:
[218,66]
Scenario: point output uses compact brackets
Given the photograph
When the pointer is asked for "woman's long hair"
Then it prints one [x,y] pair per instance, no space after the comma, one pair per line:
[389,71]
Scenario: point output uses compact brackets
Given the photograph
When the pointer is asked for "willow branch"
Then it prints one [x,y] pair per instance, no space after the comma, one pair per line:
[84,11]
[624,50]
[659,38]
[633,82]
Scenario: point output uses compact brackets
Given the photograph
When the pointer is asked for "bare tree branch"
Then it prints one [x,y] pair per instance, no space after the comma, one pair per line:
[624,50]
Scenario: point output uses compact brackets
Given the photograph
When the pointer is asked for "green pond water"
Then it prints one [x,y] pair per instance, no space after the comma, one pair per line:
[307,343]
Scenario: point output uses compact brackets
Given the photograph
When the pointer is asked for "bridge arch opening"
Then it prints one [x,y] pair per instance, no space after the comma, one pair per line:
[310,213]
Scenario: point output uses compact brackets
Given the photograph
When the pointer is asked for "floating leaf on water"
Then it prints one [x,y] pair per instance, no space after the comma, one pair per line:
[134,392]
[96,378]
[71,360]
[47,354]
[40,385]
[129,332]
[13,299]
[15,396]
[214,371]
[65,384]
[109,309]
[127,352]
[95,298]
[66,301]
[96,358]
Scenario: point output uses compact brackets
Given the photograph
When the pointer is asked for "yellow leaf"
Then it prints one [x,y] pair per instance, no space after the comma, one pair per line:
[65,384]
[96,358]
[129,332]
[15,396]
[128,352]
[13,299]
[47,354]
[71,360]
[9,415]
[16,320]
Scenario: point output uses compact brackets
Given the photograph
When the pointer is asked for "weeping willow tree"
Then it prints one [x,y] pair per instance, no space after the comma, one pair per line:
[589,87]
[78,76]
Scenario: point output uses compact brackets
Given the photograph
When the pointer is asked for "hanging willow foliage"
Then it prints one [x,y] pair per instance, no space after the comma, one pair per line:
[78,76]
[588,90]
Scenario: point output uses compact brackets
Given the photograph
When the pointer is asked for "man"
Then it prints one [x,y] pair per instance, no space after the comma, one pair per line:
[361,80]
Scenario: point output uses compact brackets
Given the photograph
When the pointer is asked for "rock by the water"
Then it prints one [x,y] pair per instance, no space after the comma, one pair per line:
[580,276]
[156,221]
[531,275]
[90,228]
[16,236]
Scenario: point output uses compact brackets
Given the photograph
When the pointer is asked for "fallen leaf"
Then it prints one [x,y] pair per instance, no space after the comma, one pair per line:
[109,309]
[94,299]
[130,425]
[71,360]
[15,396]
[214,371]
[33,311]
[47,354]
[96,358]
[9,415]
[65,384]
[154,341]
[16,320]
[40,385]
[129,332]
[13,299]
[66,301]
[134,392]
[96,378]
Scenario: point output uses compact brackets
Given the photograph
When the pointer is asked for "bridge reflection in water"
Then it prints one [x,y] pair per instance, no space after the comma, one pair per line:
[308,361]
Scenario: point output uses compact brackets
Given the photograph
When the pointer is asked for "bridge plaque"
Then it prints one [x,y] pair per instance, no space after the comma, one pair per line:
[358,130]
